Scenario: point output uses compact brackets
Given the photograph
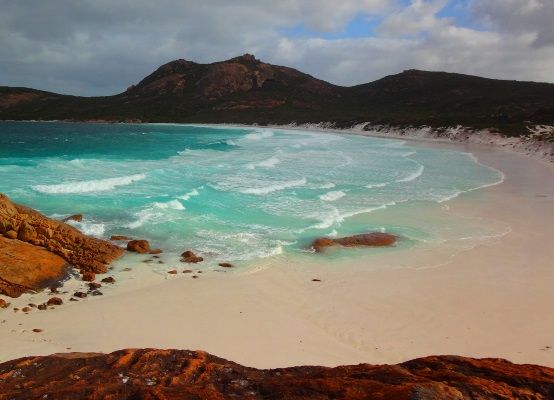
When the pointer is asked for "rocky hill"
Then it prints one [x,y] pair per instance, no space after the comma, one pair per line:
[181,374]
[247,90]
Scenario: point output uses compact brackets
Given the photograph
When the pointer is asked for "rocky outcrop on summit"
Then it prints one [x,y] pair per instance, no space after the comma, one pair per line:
[48,238]
[372,239]
[181,374]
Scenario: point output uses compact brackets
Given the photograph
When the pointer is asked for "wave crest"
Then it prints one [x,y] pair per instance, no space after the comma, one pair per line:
[95,185]
[275,187]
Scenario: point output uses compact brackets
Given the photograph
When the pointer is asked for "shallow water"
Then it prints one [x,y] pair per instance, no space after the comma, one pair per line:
[239,194]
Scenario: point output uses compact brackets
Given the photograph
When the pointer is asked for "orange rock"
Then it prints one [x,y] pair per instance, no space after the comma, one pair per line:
[65,241]
[189,257]
[373,239]
[226,265]
[27,268]
[119,237]
[89,276]
[182,374]
[54,301]
[74,217]
[139,246]
[11,234]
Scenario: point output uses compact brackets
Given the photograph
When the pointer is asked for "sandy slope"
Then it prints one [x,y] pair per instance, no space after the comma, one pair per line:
[494,300]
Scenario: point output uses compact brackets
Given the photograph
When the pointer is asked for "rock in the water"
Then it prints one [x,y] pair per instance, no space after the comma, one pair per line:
[80,295]
[226,265]
[172,272]
[27,268]
[42,306]
[4,303]
[139,246]
[74,217]
[97,293]
[181,374]
[108,279]
[156,251]
[26,309]
[373,239]
[54,301]
[119,237]
[44,238]
[189,257]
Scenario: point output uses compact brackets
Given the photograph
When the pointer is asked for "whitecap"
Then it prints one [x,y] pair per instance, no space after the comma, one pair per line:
[275,187]
[268,163]
[376,185]
[332,196]
[88,228]
[259,134]
[187,196]
[173,204]
[96,185]
[413,175]
[329,185]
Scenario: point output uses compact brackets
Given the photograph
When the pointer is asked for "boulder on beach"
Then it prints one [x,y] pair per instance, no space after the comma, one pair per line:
[36,250]
[139,246]
[372,239]
[27,268]
[189,257]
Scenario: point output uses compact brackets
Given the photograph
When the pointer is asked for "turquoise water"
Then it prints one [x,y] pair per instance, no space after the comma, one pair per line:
[232,194]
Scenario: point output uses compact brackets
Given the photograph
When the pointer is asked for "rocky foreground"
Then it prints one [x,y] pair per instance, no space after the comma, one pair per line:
[36,251]
[181,374]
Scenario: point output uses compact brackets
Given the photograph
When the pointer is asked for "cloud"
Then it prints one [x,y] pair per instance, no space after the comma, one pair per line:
[518,16]
[100,47]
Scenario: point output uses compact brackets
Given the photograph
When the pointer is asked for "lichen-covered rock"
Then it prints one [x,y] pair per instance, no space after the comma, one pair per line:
[189,257]
[139,246]
[372,239]
[181,374]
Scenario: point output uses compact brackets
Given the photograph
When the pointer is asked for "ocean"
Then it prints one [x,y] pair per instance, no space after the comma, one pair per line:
[240,194]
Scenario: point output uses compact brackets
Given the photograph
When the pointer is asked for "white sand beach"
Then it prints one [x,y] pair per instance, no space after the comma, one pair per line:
[495,300]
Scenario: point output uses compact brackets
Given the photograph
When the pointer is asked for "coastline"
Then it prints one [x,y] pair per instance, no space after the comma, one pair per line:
[491,301]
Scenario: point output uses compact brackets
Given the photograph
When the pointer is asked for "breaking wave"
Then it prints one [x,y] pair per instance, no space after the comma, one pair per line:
[96,185]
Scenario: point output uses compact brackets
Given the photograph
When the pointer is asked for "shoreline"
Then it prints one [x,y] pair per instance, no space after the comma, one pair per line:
[541,150]
[484,302]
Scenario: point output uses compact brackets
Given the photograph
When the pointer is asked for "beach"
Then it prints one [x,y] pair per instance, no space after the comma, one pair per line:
[492,300]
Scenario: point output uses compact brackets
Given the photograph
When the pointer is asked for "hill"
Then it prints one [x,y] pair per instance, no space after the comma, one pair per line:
[247,90]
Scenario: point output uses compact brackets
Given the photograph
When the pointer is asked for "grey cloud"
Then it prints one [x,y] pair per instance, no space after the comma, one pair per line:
[101,47]
[531,16]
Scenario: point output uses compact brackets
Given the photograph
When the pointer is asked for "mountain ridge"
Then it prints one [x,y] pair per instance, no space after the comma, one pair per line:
[246,90]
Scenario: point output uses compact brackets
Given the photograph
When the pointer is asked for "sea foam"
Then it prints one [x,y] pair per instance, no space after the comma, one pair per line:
[275,187]
[332,196]
[95,185]
[268,163]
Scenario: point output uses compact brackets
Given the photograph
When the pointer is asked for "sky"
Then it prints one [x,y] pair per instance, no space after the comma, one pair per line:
[101,47]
